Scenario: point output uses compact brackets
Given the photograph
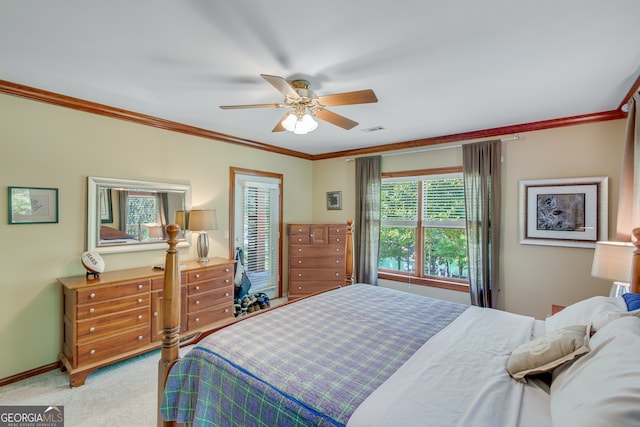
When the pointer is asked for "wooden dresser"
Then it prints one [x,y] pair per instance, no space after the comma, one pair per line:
[119,314]
[317,256]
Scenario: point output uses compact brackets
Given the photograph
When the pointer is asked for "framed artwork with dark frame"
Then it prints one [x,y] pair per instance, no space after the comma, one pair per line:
[334,200]
[32,205]
[564,212]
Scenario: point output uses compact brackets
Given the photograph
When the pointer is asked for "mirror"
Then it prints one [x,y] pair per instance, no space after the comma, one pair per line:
[124,215]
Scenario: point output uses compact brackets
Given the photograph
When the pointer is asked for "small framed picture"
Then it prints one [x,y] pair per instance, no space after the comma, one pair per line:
[334,200]
[30,205]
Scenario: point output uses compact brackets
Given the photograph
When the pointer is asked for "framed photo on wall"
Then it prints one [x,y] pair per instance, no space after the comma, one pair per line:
[564,212]
[334,200]
[30,205]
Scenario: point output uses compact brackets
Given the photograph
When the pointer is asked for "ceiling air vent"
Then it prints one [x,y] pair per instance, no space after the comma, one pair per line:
[373,129]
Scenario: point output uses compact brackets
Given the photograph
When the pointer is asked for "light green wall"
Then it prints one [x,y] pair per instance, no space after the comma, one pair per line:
[532,277]
[49,146]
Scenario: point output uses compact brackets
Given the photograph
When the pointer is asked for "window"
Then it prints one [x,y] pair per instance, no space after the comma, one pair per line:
[422,233]
[142,207]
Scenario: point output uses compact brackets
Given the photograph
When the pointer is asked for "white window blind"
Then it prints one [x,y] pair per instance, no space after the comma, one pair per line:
[443,204]
[399,202]
[261,233]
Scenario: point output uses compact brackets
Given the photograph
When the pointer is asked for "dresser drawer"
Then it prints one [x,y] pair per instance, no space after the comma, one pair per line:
[210,273]
[299,239]
[98,350]
[298,274]
[88,311]
[209,285]
[298,229]
[93,329]
[324,250]
[91,295]
[208,299]
[298,288]
[317,262]
[200,318]
[337,230]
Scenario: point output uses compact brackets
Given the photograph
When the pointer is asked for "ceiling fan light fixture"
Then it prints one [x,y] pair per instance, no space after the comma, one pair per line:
[299,124]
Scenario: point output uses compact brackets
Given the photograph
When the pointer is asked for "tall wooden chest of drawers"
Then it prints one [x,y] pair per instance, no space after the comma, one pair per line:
[316,258]
[119,314]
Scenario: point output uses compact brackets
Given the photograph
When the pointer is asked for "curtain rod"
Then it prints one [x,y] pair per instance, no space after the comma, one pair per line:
[424,150]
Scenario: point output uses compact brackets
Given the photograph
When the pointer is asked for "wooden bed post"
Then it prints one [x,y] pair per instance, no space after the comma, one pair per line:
[349,254]
[170,317]
[635,263]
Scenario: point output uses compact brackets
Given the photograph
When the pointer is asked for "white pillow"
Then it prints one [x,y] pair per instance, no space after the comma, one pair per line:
[602,388]
[595,310]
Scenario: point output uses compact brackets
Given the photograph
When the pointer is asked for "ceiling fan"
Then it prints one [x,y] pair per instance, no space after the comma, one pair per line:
[305,104]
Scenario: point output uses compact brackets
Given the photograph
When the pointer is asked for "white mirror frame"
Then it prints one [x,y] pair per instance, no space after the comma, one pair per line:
[93,217]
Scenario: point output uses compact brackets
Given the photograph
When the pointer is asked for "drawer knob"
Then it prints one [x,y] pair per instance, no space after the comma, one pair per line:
[155,314]
[92,352]
[139,300]
[226,270]
[92,295]
[139,316]
[299,240]
[299,229]
[299,261]
[226,310]
[299,288]
[197,276]
[337,261]
[92,329]
[140,286]
[197,319]
[226,294]
[338,250]
[226,281]
[337,274]
[299,249]
[197,287]
[140,337]
[92,310]
[197,302]
[337,230]
[299,274]
[338,239]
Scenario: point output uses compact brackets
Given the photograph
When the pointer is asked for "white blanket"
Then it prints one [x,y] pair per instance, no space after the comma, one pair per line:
[457,378]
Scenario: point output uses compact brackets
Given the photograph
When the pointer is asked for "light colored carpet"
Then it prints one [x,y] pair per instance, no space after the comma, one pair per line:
[123,394]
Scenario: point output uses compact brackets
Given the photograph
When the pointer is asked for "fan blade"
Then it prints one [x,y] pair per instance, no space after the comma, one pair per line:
[237,107]
[336,119]
[279,127]
[348,98]
[282,85]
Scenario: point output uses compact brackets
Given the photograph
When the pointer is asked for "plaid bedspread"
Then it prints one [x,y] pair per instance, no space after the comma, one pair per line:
[308,363]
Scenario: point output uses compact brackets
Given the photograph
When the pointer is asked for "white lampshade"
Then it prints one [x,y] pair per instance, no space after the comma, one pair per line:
[612,260]
[201,220]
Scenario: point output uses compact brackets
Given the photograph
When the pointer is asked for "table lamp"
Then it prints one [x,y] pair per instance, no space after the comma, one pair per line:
[612,260]
[201,221]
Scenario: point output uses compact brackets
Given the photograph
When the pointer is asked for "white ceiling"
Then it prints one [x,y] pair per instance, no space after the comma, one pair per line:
[437,67]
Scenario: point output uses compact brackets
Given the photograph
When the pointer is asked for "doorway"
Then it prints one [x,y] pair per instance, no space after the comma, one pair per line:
[256,227]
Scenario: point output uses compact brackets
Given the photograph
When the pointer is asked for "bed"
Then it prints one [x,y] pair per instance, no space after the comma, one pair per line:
[362,355]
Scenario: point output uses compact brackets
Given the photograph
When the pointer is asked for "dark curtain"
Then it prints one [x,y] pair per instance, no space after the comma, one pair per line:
[367,229]
[481,169]
[629,200]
